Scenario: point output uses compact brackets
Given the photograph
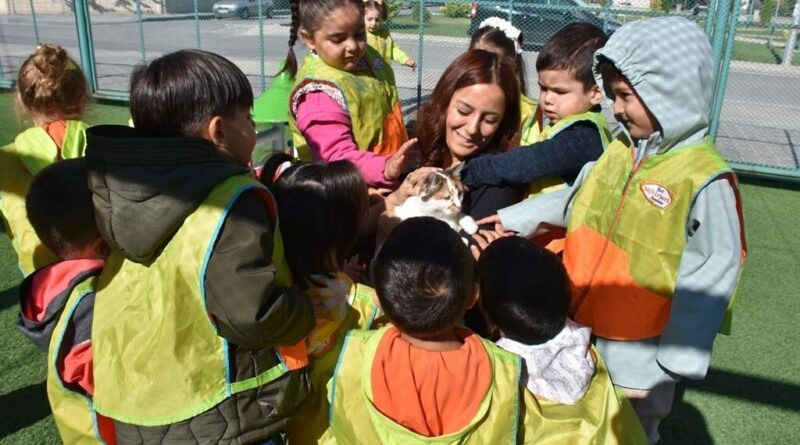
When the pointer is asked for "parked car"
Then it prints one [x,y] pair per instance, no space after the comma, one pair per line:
[540,19]
[244,9]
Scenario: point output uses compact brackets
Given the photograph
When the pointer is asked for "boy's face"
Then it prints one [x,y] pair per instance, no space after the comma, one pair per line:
[372,19]
[240,136]
[630,110]
[561,94]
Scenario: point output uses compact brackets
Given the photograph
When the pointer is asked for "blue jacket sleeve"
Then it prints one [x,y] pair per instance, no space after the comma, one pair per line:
[563,155]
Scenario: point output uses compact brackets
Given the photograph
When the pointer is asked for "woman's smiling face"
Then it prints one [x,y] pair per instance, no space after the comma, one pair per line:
[473,116]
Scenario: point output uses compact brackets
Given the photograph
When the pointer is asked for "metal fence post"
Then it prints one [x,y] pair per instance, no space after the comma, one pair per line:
[196,25]
[606,15]
[718,35]
[420,52]
[35,25]
[711,13]
[510,9]
[788,51]
[85,42]
[141,28]
[261,43]
[724,69]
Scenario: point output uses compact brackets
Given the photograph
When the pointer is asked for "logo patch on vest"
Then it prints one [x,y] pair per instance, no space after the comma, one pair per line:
[378,63]
[657,194]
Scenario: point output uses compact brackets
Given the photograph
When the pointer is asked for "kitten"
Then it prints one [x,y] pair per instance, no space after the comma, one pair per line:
[440,196]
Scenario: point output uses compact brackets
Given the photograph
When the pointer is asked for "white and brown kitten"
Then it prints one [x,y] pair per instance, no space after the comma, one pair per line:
[440,196]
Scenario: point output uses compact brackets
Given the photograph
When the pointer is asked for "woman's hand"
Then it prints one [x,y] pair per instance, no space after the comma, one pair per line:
[400,161]
[408,187]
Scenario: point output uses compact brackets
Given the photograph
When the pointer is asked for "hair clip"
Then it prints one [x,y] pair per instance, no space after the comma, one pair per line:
[281,168]
[511,31]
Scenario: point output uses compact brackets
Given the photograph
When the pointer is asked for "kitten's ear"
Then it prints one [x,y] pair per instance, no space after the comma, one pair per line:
[455,171]
[428,186]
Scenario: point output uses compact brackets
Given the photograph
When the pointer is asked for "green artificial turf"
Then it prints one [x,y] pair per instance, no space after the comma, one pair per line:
[751,395]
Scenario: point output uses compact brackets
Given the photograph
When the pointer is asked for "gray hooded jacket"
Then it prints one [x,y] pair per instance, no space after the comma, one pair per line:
[668,62]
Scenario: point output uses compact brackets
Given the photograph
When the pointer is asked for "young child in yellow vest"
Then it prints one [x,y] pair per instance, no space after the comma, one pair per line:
[569,398]
[574,131]
[378,36]
[51,91]
[655,238]
[199,334]
[321,208]
[344,104]
[504,39]
[56,301]
[423,377]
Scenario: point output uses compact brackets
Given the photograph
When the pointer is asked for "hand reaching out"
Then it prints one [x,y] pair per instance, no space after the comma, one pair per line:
[400,161]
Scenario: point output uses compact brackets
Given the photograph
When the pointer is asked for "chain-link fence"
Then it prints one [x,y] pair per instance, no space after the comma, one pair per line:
[755,117]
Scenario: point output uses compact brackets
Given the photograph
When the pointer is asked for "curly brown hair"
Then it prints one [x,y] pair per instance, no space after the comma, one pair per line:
[50,83]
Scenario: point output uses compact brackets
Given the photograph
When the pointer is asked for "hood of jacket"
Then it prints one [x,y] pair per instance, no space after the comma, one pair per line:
[143,187]
[668,62]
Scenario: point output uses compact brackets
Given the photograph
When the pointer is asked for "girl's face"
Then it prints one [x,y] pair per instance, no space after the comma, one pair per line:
[340,40]
[473,116]
[372,19]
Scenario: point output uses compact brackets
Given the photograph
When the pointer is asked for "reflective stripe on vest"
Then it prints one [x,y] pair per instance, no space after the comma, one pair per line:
[623,259]
[599,417]
[32,150]
[552,183]
[309,422]
[73,411]
[158,357]
[354,419]
[370,99]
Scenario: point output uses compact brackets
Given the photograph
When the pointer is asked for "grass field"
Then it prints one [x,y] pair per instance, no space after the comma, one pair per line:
[751,395]
[760,53]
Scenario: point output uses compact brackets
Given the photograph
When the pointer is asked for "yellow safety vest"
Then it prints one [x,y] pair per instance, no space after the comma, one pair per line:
[627,233]
[382,42]
[354,419]
[530,121]
[309,422]
[158,357]
[368,96]
[536,134]
[32,150]
[73,411]
[600,417]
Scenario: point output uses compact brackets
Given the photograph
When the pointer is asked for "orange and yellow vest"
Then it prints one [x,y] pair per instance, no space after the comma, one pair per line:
[309,422]
[73,411]
[354,419]
[32,150]
[530,120]
[627,233]
[368,96]
[602,416]
[158,358]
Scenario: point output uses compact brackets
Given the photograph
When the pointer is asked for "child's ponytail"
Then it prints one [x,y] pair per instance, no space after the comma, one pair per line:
[51,84]
[291,59]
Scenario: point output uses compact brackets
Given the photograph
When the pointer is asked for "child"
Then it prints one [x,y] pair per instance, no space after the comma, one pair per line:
[504,39]
[51,90]
[196,313]
[56,301]
[576,132]
[344,104]
[321,207]
[652,277]
[378,36]
[424,378]
[525,296]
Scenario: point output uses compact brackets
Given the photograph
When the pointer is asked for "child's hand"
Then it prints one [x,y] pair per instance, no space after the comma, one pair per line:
[498,225]
[411,63]
[399,161]
[483,238]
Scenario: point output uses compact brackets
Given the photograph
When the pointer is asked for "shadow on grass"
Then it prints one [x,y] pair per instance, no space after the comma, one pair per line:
[9,297]
[23,407]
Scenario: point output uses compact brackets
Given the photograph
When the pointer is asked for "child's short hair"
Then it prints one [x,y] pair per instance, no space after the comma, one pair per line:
[60,209]
[497,38]
[608,71]
[320,208]
[378,5]
[177,93]
[424,277]
[524,290]
[572,49]
[51,83]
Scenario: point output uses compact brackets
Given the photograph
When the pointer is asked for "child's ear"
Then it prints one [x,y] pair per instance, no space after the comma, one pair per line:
[595,95]
[308,38]
[214,131]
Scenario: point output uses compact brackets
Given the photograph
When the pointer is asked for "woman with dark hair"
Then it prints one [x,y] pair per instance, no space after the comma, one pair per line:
[473,111]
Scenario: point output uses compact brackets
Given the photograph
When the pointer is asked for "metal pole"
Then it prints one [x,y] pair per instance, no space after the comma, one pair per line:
[606,15]
[718,39]
[85,42]
[261,43]
[141,29]
[510,9]
[35,25]
[725,68]
[420,52]
[788,52]
[711,13]
[196,25]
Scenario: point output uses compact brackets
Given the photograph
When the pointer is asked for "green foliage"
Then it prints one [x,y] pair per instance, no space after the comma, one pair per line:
[786,7]
[392,8]
[456,10]
[661,5]
[767,11]
[415,15]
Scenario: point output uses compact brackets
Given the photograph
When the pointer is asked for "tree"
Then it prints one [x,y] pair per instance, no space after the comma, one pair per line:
[767,11]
